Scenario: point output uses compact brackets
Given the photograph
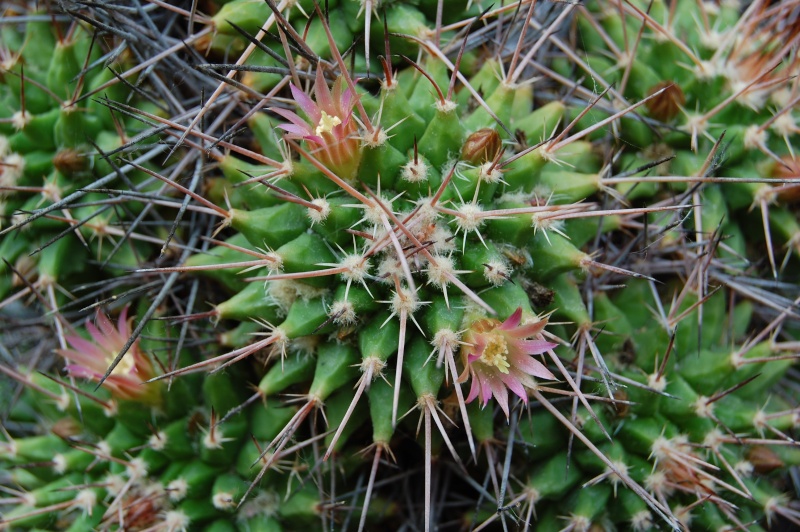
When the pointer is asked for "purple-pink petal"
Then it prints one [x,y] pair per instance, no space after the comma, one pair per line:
[84,352]
[82,372]
[300,131]
[512,322]
[528,330]
[323,93]
[292,117]
[500,393]
[531,366]
[514,385]
[535,347]
[305,103]
[474,389]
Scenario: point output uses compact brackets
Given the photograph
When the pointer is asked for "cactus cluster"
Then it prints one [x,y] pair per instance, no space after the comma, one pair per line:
[427,276]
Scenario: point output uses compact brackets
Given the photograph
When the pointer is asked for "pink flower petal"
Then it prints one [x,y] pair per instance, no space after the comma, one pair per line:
[306,104]
[500,394]
[82,372]
[85,353]
[300,131]
[292,117]
[512,322]
[324,99]
[535,347]
[485,388]
[514,385]
[474,389]
[531,366]
[526,331]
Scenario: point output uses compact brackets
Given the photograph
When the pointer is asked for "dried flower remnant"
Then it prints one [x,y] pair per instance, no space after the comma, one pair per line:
[498,357]
[91,359]
[333,130]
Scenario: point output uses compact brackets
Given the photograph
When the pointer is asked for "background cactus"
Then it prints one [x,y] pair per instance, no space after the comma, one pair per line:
[365,265]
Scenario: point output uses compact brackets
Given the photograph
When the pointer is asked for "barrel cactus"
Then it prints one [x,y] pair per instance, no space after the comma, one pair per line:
[446,285]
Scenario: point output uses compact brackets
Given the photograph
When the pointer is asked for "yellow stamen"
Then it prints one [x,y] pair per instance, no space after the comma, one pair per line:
[495,353]
[125,366]
[327,123]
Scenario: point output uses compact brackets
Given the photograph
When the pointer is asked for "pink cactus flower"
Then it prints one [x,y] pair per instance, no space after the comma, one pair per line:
[91,359]
[332,131]
[498,358]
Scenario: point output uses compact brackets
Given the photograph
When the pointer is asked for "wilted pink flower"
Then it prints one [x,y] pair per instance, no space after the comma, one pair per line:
[91,359]
[333,130]
[498,358]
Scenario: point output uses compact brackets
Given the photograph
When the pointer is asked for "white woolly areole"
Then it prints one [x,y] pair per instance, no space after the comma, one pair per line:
[760,420]
[754,137]
[744,468]
[641,521]
[64,400]
[321,214]
[614,477]
[284,292]
[784,125]
[4,146]
[357,268]
[446,106]
[59,464]
[415,172]
[176,521]
[489,173]
[20,119]
[376,139]
[781,97]
[85,500]
[579,523]
[446,338]
[12,169]
[703,408]
[684,515]
[706,70]
[158,441]
[426,212]
[442,239]
[656,382]
[177,489]
[711,39]
[714,439]
[388,268]
[374,215]
[656,482]
[496,272]
[343,313]
[114,484]
[469,219]
[136,469]
[103,448]
[405,301]
[440,271]
[223,501]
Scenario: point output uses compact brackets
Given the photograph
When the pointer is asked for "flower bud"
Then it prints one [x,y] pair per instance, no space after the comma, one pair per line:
[482,146]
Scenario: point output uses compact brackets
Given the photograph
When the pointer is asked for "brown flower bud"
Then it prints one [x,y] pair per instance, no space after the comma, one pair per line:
[70,161]
[666,105]
[787,168]
[481,147]
[764,459]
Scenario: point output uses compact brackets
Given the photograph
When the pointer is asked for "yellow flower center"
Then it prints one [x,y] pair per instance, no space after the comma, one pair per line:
[327,123]
[125,366]
[495,353]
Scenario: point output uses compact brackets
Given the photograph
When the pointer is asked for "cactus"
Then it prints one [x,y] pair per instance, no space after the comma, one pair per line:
[374,245]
